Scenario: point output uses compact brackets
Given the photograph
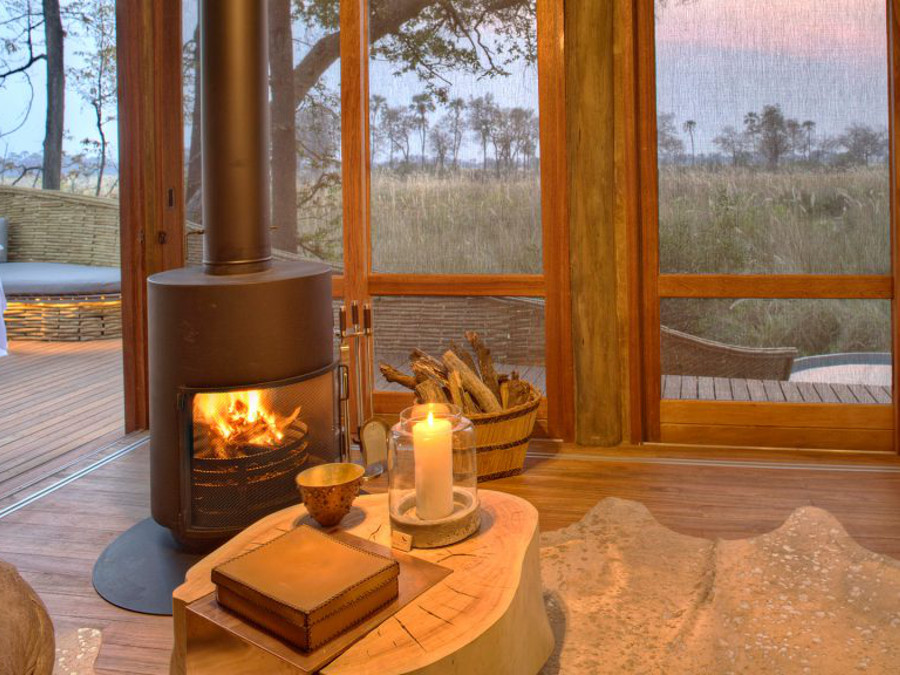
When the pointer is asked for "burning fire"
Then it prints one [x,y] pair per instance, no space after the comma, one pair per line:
[238,419]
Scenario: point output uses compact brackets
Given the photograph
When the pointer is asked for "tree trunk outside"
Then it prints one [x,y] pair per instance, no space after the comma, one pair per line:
[103,145]
[56,93]
[194,209]
[283,126]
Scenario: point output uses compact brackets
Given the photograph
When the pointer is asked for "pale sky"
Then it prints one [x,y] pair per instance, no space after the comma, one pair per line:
[823,60]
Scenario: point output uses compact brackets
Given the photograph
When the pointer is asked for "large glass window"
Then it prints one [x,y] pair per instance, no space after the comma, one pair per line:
[767,222]
[454,139]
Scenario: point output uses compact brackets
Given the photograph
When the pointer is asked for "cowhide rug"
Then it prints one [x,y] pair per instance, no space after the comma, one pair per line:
[76,652]
[627,595]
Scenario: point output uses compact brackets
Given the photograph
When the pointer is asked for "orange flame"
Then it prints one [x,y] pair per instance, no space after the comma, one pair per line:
[237,419]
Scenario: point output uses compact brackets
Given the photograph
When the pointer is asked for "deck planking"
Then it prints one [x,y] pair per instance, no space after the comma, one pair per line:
[55,540]
[59,401]
[692,388]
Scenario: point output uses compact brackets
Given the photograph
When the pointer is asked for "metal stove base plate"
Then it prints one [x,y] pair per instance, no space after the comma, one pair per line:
[141,567]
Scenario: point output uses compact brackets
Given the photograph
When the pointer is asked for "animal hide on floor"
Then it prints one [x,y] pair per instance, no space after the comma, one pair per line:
[627,595]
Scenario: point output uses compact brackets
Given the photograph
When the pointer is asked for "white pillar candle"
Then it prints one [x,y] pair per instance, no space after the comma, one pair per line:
[433,452]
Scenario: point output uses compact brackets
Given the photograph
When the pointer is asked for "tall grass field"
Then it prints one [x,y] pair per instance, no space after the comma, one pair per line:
[787,222]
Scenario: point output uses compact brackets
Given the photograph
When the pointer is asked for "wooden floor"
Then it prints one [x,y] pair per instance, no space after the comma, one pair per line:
[690,388]
[55,540]
[58,400]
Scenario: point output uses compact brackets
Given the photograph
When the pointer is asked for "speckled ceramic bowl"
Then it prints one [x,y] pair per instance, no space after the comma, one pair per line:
[328,491]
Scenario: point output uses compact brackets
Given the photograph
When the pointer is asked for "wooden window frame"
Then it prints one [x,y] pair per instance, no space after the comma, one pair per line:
[359,283]
[151,174]
[862,427]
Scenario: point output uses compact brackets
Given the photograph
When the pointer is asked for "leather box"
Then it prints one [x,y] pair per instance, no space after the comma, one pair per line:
[305,586]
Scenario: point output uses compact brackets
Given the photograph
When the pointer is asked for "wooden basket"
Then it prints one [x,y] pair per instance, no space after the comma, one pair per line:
[501,438]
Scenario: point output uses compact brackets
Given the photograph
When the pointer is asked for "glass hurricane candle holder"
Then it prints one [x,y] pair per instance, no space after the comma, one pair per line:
[432,477]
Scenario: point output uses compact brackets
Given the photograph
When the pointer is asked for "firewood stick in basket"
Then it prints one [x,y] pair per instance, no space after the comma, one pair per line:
[485,362]
[424,369]
[519,392]
[456,389]
[464,355]
[428,361]
[391,374]
[483,396]
[469,405]
[430,391]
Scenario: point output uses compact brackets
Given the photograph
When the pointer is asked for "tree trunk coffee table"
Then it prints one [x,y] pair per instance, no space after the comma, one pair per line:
[487,616]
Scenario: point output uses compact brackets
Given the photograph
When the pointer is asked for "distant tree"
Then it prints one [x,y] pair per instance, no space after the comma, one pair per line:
[752,130]
[774,141]
[808,127]
[689,128]
[377,102]
[397,127]
[796,136]
[190,73]
[456,117]
[422,104]
[503,138]
[863,143]
[732,142]
[523,132]
[670,146]
[95,78]
[441,142]
[482,118]
[23,46]
[283,126]
[56,95]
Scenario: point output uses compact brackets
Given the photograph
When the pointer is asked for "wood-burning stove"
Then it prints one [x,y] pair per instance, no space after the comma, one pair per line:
[243,341]
[243,331]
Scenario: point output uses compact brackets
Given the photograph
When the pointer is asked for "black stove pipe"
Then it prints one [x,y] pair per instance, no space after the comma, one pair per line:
[235,135]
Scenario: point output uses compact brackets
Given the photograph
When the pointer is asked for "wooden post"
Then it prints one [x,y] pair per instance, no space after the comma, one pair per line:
[591,140]
[151,221]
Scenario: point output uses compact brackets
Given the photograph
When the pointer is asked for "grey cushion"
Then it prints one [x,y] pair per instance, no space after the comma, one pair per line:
[43,278]
[4,238]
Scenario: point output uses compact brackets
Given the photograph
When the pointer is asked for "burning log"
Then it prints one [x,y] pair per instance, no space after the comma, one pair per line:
[239,424]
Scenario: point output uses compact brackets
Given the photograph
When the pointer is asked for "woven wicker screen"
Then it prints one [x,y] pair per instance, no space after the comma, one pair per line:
[49,226]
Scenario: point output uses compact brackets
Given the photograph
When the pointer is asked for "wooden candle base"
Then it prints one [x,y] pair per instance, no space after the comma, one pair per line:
[463,522]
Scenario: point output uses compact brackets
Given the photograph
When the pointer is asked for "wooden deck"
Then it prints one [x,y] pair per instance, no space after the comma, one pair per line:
[54,541]
[689,388]
[58,401]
